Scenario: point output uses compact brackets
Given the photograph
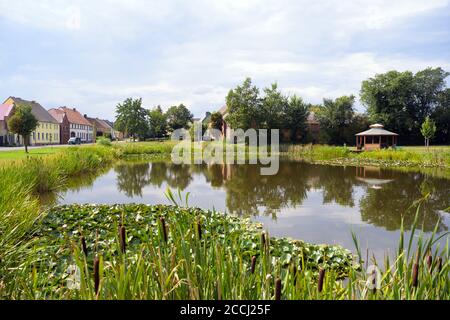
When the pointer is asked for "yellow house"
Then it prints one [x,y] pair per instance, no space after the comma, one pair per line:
[47,131]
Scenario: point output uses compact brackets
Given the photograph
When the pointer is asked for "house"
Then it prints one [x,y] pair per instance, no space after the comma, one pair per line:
[79,126]
[101,128]
[5,110]
[117,135]
[47,131]
[61,117]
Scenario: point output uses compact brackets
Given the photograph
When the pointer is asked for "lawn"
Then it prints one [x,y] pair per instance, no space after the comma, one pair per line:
[20,154]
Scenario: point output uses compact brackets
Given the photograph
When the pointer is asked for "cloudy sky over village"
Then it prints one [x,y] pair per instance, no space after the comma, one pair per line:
[94,54]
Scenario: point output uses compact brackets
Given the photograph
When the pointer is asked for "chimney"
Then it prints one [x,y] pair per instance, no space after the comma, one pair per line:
[85,115]
[74,109]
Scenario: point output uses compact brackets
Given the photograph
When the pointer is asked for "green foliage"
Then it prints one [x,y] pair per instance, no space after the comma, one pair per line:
[103,141]
[179,117]
[428,130]
[185,256]
[335,118]
[216,120]
[157,123]
[273,106]
[296,112]
[402,100]
[243,106]
[131,118]
[23,122]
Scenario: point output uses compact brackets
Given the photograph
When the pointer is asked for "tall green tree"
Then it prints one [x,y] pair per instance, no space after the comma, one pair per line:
[428,130]
[157,123]
[295,114]
[402,100]
[131,118]
[179,117]
[244,106]
[335,117]
[441,117]
[23,123]
[273,106]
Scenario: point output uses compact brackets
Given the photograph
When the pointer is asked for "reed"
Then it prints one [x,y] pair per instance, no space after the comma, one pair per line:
[216,267]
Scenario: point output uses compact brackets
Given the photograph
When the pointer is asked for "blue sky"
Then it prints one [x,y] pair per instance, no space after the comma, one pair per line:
[93,54]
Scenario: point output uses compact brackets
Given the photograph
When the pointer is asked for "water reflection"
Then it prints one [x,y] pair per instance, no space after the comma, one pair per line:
[381,196]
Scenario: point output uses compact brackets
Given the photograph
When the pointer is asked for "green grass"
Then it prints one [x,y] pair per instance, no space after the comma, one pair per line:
[400,157]
[20,154]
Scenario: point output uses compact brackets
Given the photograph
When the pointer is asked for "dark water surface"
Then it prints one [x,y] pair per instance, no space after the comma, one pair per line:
[315,203]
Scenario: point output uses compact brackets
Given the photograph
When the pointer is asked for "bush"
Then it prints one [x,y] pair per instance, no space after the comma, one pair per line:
[103,141]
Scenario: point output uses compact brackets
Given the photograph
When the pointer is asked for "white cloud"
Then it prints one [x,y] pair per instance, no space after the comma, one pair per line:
[175,51]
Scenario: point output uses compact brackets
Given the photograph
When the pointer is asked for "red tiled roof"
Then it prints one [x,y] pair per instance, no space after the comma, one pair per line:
[5,110]
[74,116]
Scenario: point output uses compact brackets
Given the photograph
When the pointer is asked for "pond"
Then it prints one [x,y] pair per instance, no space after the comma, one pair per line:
[315,203]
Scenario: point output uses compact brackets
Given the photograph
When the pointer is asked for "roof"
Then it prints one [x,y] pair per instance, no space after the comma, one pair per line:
[110,123]
[37,110]
[74,116]
[5,110]
[57,114]
[101,125]
[376,130]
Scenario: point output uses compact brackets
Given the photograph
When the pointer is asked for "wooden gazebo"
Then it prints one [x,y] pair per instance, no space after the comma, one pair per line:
[375,138]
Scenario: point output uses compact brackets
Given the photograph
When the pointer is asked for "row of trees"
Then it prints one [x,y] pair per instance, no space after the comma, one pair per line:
[139,123]
[248,109]
[413,105]
[274,110]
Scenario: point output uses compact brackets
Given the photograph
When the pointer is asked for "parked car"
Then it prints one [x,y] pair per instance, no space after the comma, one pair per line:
[74,140]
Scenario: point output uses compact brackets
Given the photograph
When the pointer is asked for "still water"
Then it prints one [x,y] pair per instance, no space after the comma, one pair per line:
[315,203]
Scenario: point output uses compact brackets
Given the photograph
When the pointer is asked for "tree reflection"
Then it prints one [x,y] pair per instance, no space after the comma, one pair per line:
[383,196]
[132,178]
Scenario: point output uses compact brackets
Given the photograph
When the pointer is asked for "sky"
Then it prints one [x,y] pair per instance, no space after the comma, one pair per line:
[94,54]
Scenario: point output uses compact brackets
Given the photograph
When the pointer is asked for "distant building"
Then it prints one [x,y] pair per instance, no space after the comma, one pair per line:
[79,127]
[64,124]
[101,128]
[5,111]
[47,131]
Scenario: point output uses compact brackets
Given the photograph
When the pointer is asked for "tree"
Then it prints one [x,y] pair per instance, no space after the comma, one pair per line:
[428,130]
[273,106]
[295,116]
[335,117]
[179,117]
[23,123]
[216,120]
[441,117]
[157,123]
[243,106]
[131,118]
[402,100]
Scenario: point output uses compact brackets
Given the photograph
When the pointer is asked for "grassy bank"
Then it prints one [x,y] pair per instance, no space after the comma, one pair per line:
[171,252]
[400,157]
[21,183]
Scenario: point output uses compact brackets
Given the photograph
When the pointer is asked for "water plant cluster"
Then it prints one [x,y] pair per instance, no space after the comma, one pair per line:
[173,252]
[165,252]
